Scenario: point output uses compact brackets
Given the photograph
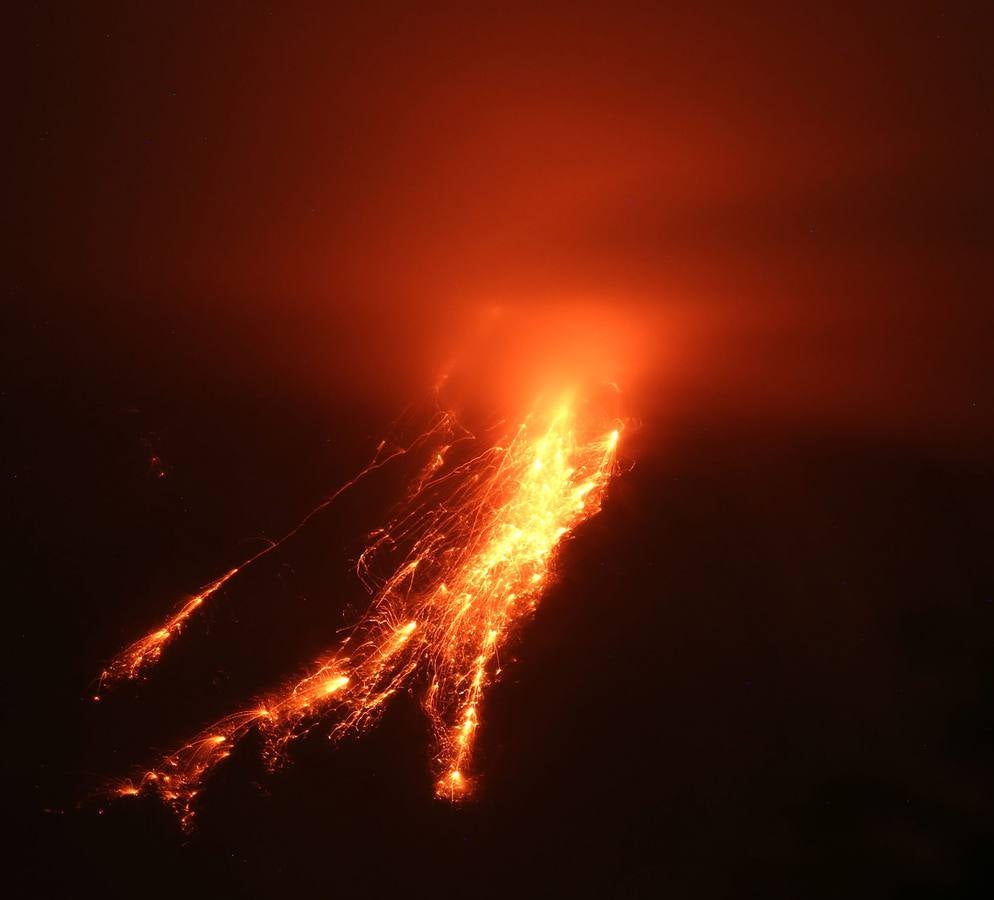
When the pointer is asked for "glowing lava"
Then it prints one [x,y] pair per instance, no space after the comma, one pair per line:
[470,552]
[137,657]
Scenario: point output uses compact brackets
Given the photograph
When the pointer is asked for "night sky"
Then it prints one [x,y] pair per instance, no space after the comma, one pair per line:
[248,237]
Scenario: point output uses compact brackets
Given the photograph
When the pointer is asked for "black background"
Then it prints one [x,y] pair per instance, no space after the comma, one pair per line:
[766,667]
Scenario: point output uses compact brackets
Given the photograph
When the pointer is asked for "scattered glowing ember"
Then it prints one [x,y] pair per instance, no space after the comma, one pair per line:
[143,653]
[474,542]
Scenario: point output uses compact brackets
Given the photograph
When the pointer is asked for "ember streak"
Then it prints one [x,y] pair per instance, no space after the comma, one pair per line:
[470,551]
[135,659]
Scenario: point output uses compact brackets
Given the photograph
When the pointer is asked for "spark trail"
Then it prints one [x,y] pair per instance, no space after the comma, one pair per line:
[471,551]
[140,655]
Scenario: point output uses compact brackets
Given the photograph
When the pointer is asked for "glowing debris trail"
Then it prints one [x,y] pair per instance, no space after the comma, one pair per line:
[472,547]
[143,653]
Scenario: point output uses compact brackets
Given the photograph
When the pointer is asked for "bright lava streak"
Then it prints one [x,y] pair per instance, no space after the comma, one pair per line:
[472,548]
[135,659]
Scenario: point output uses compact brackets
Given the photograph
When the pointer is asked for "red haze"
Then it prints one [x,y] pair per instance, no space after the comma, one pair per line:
[759,214]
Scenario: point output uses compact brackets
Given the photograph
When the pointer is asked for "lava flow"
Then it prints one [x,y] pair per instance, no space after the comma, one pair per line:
[470,551]
[144,652]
